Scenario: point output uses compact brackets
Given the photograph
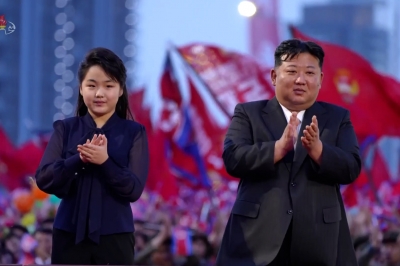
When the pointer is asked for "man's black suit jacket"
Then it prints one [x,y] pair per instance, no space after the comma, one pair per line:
[295,189]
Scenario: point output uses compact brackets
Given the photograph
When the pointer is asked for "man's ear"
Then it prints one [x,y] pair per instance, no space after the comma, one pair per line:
[273,76]
[320,82]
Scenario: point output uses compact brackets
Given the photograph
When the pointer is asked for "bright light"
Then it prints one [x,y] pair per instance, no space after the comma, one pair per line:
[247,8]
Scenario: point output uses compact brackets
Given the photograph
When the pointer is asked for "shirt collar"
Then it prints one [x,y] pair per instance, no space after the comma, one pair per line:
[288,113]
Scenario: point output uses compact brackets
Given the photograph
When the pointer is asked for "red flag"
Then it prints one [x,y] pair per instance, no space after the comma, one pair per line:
[175,123]
[208,134]
[29,155]
[160,178]
[392,88]
[141,113]
[350,81]
[184,154]
[169,84]
[17,163]
[379,171]
[349,194]
[182,244]
[230,77]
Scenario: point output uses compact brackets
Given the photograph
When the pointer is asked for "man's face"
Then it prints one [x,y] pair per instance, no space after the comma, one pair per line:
[13,244]
[199,248]
[17,232]
[44,244]
[6,258]
[297,81]
[392,253]
[47,225]
[162,256]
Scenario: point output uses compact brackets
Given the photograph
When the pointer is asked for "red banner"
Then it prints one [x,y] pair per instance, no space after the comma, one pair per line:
[160,178]
[209,135]
[350,81]
[182,149]
[231,77]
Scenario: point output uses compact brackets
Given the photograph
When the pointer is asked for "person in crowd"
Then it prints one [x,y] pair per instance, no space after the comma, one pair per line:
[391,248]
[18,230]
[47,223]
[158,244]
[43,238]
[12,244]
[202,249]
[6,257]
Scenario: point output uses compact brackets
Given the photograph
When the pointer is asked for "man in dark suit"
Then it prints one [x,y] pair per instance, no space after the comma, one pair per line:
[291,154]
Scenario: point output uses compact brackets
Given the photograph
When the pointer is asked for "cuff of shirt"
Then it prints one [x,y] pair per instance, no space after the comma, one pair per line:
[73,164]
[109,167]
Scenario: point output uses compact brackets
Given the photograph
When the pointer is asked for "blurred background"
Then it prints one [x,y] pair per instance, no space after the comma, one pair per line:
[189,63]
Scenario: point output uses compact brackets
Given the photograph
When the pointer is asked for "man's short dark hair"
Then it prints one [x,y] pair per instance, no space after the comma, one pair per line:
[45,231]
[10,236]
[390,237]
[291,48]
[19,227]
[203,238]
[48,221]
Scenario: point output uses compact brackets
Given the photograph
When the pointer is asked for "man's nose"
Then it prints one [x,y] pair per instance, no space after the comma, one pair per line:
[300,79]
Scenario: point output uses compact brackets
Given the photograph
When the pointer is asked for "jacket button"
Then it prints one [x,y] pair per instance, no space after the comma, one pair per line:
[293,184]
[76,173]
[289,212]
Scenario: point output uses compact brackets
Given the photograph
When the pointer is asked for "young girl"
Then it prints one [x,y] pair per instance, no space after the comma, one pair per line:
[97,162]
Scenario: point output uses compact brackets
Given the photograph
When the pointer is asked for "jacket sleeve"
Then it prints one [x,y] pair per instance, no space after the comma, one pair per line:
[341,163]
[55,175]
[242,156]
[129,182]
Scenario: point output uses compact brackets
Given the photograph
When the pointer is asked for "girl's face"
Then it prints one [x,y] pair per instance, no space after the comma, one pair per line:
[100,92]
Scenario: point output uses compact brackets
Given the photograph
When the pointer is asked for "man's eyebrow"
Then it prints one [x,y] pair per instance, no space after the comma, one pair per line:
[296,66]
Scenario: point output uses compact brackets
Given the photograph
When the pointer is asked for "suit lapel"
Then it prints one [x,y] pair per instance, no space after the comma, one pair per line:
[275,121]
[274,118]
[301,153]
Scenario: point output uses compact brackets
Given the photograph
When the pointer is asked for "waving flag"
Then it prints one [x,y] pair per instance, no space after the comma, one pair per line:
[175,122]
[160,178]
[350,81]
[230,77]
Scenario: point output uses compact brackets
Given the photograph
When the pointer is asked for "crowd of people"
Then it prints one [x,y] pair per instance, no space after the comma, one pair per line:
[166,233]
[176,233]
